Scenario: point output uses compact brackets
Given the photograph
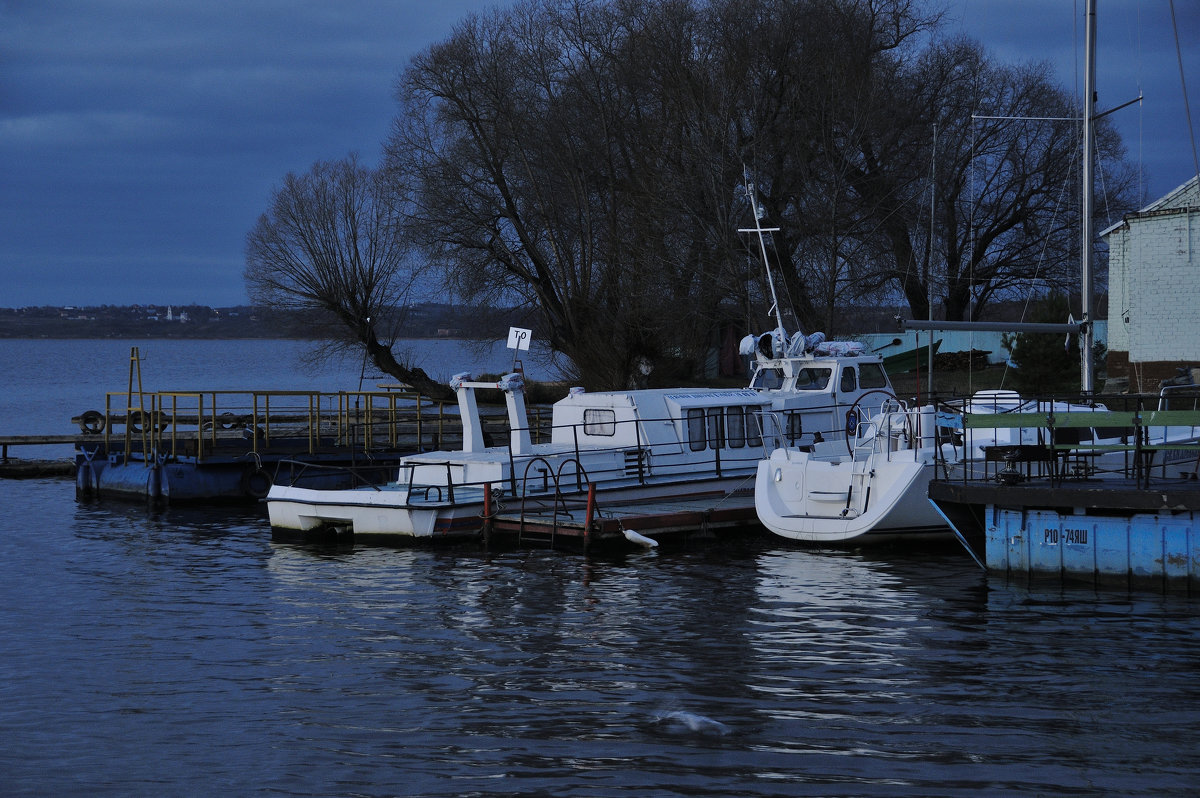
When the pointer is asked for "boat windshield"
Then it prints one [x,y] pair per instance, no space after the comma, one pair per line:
[812,379]
[768,380]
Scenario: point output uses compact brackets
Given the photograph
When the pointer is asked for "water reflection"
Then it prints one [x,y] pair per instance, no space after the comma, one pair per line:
[182,651]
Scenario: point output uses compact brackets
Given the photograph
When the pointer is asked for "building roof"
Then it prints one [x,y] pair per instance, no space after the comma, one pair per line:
[1183,198]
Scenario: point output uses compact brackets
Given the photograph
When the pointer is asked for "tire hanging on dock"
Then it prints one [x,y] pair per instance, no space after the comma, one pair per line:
[92,422]
[256,482]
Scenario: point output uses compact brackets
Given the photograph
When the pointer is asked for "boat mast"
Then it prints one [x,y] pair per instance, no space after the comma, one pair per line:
[1086,334]
[762,246]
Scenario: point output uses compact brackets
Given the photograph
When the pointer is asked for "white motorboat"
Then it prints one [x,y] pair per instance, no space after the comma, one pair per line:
[627,445]
[871,484]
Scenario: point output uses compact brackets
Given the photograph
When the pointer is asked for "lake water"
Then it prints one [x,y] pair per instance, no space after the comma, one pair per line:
[182,652]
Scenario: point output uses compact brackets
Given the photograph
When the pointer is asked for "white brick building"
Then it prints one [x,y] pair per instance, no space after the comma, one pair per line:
[1154,289]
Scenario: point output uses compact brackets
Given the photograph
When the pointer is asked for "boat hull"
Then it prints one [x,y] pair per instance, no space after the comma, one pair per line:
[390,513]
[821,501]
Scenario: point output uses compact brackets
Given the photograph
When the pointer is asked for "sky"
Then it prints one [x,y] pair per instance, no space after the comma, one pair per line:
[141,139]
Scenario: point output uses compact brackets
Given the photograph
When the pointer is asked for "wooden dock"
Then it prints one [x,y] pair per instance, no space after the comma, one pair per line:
[641,523]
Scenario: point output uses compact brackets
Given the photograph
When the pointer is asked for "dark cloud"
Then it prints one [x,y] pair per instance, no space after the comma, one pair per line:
[140,139]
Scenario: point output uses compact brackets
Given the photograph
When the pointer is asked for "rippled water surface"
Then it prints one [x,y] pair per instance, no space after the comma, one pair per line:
[182,652]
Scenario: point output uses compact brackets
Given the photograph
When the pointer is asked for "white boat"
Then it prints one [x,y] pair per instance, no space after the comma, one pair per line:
[872,484]
[627,445]
[875,485]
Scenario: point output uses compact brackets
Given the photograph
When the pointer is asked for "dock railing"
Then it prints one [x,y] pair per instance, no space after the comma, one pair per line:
[196,424]
[1078,444]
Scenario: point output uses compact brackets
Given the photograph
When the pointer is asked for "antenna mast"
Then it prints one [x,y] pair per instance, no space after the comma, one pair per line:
[762,246]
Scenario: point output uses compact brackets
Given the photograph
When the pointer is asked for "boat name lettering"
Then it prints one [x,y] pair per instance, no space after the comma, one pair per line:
[738,394]
[1078,536]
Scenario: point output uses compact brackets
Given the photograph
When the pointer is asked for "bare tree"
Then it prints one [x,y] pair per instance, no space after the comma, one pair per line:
[558,159]
[583,158]
[970,171]
[332,244]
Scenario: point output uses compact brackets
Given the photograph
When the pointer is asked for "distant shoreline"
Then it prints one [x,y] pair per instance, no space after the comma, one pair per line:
[201,322]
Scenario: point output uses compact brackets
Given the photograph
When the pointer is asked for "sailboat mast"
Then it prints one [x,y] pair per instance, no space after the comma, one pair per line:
[1086,334]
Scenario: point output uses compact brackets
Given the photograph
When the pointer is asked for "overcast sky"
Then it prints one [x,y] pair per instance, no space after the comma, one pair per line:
[140,139]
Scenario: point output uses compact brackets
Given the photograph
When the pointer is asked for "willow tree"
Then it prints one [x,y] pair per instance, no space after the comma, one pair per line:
[332,246]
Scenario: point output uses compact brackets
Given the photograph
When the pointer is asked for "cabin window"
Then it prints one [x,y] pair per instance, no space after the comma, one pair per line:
[716,427]
[812,379]
[697,436]
[754,426]
[795,427]
[870,375]
[735,427]
[848,381]
[768,379]
[598,421]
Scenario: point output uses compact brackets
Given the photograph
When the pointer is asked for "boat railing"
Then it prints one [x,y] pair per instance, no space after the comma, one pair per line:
[291,472]
[635,458]
[893,428]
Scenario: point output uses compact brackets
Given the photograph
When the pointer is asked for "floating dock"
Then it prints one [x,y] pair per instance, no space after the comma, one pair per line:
[1052,513]
[644,523]
[193,446]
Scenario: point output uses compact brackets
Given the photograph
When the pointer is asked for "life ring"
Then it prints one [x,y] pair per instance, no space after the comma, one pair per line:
[92,422]
[256,482]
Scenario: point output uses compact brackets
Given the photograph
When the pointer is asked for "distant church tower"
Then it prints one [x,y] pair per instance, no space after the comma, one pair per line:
[170,315]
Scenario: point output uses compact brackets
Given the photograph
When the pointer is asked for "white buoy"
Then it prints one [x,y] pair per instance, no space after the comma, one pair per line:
[641,540]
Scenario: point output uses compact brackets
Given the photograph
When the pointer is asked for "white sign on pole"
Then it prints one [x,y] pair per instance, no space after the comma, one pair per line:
[518,338]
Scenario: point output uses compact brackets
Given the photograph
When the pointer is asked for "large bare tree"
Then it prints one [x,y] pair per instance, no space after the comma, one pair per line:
[332,244]
[562,157]
[969,171]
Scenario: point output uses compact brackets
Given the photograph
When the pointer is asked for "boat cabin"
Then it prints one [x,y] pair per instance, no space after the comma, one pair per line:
[813,396]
